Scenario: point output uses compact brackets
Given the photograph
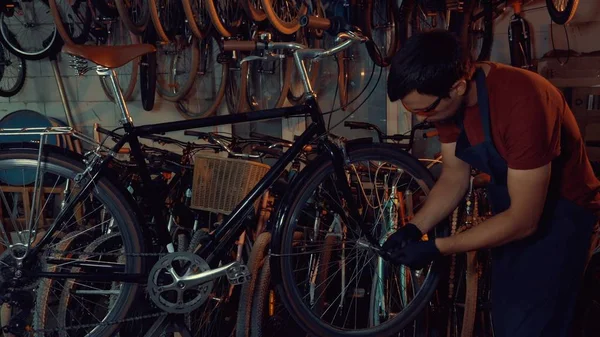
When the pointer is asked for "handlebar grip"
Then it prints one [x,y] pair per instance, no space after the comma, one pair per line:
[240,45]
[333,25]
[315,22]
[358,125]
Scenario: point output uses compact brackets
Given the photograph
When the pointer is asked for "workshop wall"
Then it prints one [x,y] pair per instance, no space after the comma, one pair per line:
[90,105]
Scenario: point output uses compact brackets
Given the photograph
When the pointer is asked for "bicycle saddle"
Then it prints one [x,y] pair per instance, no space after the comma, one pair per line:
[109,56]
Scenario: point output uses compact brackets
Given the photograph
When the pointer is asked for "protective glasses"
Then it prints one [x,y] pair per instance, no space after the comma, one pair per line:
[426,110]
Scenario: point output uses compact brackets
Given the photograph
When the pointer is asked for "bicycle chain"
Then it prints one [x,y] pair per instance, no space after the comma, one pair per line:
[102,324]
[108,323]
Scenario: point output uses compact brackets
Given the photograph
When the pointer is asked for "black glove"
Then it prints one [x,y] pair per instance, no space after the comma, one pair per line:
[416,255]
[404,235]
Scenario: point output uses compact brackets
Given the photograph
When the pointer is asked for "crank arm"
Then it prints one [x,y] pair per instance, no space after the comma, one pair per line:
[236,272]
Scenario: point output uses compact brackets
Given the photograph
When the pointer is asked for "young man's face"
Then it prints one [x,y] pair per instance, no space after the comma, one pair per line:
[436,109]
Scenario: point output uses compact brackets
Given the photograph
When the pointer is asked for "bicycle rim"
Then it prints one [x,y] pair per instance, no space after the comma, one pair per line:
[331,306]
[98,214]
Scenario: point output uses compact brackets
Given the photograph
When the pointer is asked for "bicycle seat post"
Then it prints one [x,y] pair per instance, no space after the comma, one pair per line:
[117,93]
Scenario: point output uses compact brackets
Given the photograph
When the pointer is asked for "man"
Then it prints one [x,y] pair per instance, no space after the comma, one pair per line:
[517,127]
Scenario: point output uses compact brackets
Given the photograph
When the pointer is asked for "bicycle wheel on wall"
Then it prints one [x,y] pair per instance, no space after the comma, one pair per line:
[284,14]
[135,14]
[73,19]
[225,15]
[28,30]
[13,70]
[317,211]
[148,72]
[198,18]
[127,75]
[562,11]
[386,28]
[177,65]
[208,89]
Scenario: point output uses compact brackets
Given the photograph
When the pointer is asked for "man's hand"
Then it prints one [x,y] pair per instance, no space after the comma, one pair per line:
[416,255]
[404,235]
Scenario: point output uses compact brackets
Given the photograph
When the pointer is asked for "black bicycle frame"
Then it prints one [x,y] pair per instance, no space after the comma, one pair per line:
[232,225]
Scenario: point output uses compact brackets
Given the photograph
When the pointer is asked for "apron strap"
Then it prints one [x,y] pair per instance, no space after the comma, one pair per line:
[484,103]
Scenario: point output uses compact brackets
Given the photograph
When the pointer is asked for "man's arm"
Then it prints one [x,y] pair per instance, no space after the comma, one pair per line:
[527,190]
[447,192]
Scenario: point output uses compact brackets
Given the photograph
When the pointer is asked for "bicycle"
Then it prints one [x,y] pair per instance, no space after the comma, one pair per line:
[114,254]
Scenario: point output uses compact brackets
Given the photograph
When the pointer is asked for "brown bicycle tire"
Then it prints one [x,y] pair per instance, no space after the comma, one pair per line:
[127,94]
[216,21]
[189,14]
[342,81]
[124,16]
[185,89]
[60,27]
[283,27]
[257,15]
[399,32]
[217,102]
[160,31]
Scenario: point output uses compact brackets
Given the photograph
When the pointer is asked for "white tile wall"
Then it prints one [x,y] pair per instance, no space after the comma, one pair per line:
[89,104]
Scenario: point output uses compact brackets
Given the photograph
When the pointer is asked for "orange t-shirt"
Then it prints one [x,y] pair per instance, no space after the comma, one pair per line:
[531,126]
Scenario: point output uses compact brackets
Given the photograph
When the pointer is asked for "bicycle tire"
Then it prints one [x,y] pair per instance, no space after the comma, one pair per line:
[125,16]
[148,72]
[303,188]
[487,27]
[564,16]
[106,7]
[284,27]
[254,13]
[21,75]
[187,112]
[115,200]
[215,18]
[85,25]
[398,36]
[170,89]
[255,264]
[342,80]
[288,68]
[133,76]
[52,44]
[199,29]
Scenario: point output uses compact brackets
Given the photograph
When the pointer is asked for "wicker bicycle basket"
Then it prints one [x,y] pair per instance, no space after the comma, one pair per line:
[221,183]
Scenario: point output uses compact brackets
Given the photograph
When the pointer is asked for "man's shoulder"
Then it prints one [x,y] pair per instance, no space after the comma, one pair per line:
[516,79]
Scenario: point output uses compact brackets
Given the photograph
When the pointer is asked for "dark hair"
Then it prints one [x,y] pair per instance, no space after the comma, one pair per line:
[430,63]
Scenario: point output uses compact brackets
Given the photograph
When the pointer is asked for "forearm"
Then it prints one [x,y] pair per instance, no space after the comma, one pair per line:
[493,232]
[442,199]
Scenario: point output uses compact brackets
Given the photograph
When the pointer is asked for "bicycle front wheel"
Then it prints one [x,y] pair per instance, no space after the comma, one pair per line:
[329,280]
[91,308]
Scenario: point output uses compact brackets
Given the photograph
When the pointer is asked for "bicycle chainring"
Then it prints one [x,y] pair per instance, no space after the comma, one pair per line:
[174,297]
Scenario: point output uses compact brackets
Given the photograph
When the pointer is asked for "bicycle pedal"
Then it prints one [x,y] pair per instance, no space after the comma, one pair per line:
[238,274]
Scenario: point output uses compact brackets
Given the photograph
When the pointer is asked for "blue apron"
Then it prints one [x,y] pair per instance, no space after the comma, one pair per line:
[535,281]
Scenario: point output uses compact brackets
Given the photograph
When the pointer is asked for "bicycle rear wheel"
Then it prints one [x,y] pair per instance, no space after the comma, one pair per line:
[105,210]
[336,305]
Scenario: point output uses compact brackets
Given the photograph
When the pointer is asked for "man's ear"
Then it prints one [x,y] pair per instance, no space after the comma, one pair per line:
[460,87]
